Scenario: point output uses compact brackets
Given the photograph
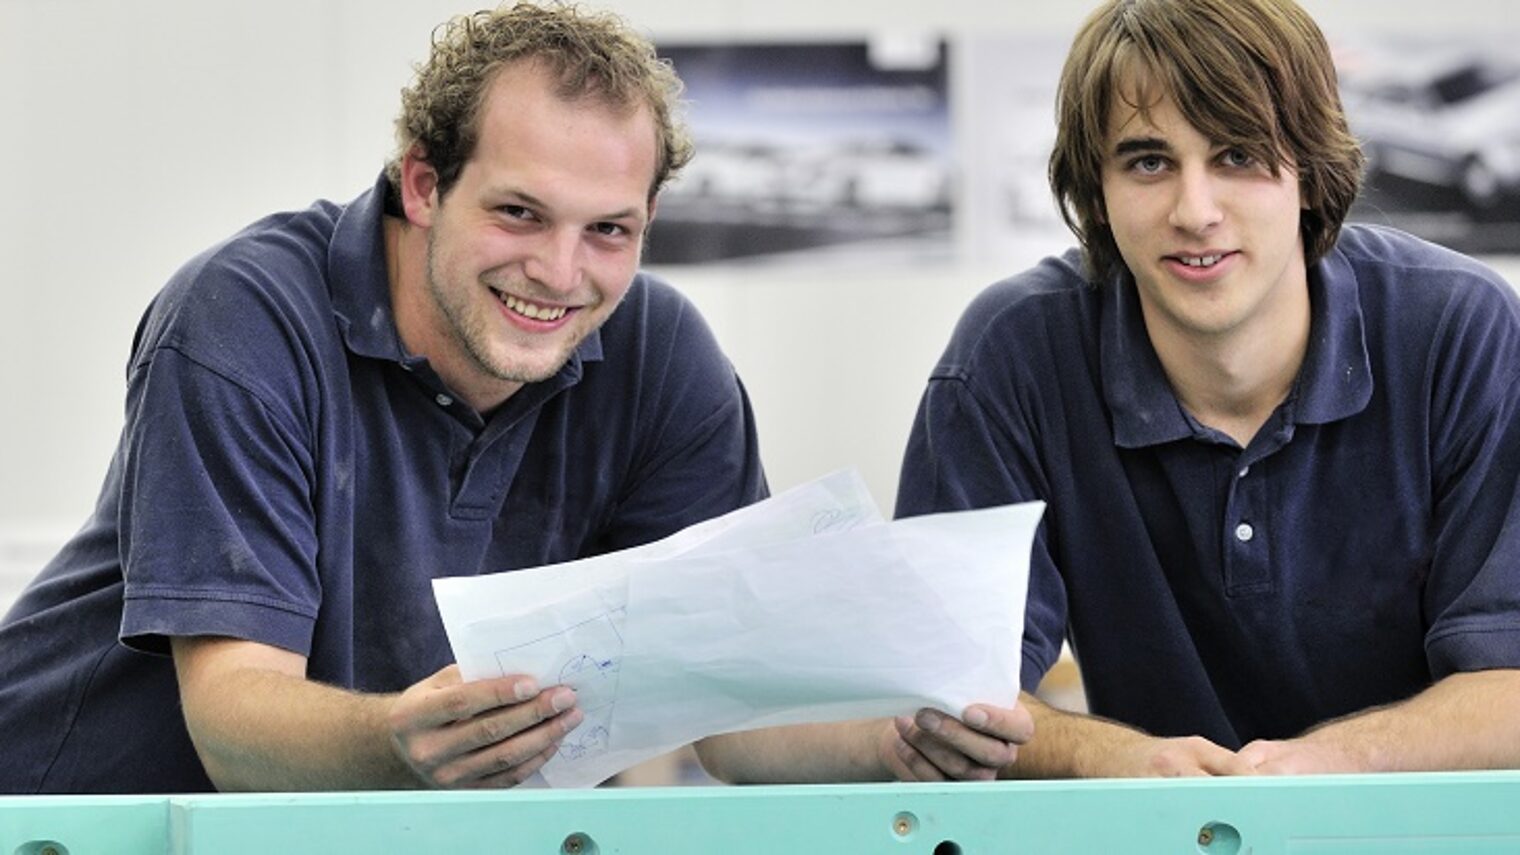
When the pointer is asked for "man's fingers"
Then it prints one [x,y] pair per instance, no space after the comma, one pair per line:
[516,775]
[912,764]
[1009,724]
[1254,754]
[443,698]
[511,761]
[431,749]
[454,733]
[1227,762]
[1297,757]
[1202,757]
[498,726]
[948,740]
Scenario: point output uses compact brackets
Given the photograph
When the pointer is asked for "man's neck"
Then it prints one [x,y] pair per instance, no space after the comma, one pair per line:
[1233,381]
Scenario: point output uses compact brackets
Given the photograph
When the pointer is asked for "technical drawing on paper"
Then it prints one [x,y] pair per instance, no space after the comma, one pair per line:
[585,656]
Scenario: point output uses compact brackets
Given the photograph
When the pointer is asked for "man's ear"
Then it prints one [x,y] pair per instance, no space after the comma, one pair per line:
[419,188]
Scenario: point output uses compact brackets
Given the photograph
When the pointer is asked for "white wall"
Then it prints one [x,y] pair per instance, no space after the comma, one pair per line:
[136,133]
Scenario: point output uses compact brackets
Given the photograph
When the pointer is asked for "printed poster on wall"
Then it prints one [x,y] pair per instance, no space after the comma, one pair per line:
[812,152]
[1439,122]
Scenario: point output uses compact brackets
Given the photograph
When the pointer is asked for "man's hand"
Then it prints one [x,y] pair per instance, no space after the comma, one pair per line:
[1300,757]
[933,746]
[488,733]
[1181,757]
[1076,745]
[259,724]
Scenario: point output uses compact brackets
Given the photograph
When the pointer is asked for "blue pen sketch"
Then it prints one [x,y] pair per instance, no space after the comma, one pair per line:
[837,519]
[587,740]
[587,657]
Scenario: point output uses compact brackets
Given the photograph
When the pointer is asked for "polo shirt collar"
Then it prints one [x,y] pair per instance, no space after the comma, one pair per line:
[1334,382]
[360,289]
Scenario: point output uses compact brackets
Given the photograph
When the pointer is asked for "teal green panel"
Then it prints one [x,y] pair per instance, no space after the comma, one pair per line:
[1452,844]
[1258,816]
[30,825]
[1437,814]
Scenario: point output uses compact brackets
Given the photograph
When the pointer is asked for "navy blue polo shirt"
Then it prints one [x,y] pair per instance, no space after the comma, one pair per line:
[1363,545]
[289,474]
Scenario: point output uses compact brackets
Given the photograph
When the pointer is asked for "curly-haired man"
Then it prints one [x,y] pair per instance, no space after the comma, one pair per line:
[460,371]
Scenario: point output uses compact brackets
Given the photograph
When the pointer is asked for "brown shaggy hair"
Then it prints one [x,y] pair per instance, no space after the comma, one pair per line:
[1254,74]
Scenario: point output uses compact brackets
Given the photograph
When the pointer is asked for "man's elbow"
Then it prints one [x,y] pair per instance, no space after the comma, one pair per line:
[716,753]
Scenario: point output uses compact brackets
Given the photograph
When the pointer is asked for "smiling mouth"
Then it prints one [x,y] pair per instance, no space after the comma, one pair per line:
[532,311]
[1200,261]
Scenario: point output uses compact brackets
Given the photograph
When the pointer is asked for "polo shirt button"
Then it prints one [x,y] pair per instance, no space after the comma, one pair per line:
[1244,532]
[1244,470]
[443,400]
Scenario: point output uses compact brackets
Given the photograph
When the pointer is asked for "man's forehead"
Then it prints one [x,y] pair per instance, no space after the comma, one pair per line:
[1134,85]
[1133,111]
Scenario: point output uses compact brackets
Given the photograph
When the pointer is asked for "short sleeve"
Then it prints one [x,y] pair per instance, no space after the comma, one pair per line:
[217,528]
[959,458]
[1472,596]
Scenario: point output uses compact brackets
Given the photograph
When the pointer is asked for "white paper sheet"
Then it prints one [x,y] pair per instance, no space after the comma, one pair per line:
[804,607]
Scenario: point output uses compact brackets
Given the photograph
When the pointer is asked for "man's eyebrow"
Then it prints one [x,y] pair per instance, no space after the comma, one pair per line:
[1137,145]
[518,195]
[512,196]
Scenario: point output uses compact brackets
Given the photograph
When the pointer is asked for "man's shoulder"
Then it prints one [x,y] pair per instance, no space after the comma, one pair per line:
[1380,254]
[255,305]
[1404,279]
[656,321]
[1433,317]
[653,295]
[279,252]
[1050,305]
[279,260]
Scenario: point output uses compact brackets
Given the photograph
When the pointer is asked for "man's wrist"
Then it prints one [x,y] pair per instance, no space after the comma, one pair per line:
[1346,748]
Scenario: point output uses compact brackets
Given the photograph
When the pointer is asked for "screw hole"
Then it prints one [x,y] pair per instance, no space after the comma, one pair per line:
[1218,838]
[42,847]
[578,844]
[904,824]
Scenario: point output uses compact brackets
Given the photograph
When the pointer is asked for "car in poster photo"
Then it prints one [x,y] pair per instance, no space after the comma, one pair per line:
[1446,120]
[890,174]
[745,174]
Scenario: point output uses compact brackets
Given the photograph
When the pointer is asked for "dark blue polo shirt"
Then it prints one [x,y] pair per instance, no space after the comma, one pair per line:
[1365,543]
[289,475]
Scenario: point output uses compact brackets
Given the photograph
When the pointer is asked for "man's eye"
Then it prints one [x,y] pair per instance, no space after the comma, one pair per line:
[609,229]
[1148,165]
[1237,157]
[516,212]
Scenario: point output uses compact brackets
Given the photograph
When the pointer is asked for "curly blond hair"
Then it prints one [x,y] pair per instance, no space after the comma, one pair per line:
[592,55]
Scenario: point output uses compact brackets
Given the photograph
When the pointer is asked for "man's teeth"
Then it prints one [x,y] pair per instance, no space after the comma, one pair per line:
[528,310]
[1201,260]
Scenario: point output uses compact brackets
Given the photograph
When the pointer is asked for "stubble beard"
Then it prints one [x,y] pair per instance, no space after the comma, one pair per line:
[471,330]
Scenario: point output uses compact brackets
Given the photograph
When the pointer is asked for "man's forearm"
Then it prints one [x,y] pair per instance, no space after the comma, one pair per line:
[296,735]
[1465,721]
[259,724]
[1071,745]
[798,754]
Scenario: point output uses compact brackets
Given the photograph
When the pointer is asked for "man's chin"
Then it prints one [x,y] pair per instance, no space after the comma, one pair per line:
[530,371]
